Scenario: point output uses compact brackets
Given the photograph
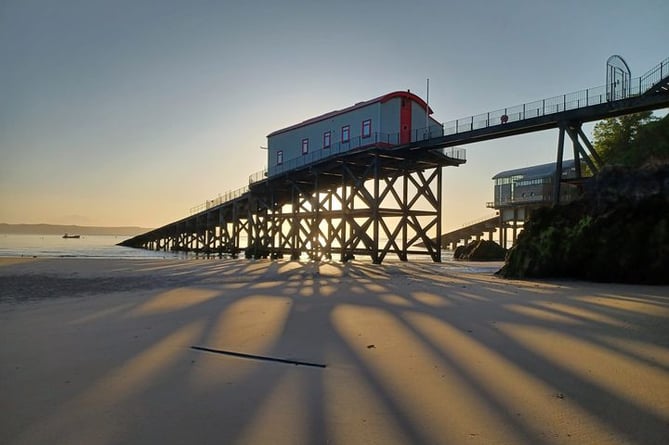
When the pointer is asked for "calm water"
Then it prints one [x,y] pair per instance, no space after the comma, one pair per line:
[88,246]
[104,246]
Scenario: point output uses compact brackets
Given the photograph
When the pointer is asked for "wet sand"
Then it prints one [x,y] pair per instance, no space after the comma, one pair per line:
[100,352]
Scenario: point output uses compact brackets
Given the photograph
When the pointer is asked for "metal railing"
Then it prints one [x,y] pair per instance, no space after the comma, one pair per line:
[451,152]
[544,107]
[654,75]
[557,104]
[257,176]
[376,139]
[220,199]
[455,153]
[478,220]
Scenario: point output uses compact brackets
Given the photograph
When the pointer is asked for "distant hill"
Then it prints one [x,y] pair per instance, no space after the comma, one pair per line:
[52,229]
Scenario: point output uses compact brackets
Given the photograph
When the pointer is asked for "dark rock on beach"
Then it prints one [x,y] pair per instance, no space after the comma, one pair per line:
[481,250]
[618,232]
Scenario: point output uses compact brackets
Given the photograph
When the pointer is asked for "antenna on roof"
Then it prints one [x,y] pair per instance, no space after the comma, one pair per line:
[427,109]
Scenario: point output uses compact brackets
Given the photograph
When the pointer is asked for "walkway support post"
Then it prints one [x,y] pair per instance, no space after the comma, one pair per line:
[558,167]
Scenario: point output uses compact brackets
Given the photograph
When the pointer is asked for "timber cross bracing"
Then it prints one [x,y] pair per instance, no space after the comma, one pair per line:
[370,203]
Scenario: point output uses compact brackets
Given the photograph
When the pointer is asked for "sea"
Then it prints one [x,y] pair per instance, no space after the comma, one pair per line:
[105,246]
[88,246]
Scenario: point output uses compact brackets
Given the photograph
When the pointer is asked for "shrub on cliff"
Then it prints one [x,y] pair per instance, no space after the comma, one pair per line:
[618,232]
[633,140]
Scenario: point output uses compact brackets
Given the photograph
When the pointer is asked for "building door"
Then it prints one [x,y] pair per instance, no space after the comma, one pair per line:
[405,121]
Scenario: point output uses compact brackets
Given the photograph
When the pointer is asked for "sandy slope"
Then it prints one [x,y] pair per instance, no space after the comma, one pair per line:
[99,352]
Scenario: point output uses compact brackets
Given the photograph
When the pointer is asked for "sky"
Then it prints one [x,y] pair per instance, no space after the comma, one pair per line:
[130,112]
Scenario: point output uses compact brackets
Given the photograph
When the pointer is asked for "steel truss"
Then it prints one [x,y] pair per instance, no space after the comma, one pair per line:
[583,151]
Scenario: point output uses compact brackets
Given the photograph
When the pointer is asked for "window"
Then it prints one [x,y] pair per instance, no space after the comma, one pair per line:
[279,157]
[305,146]
[327,139]
[346,133]
[366,128]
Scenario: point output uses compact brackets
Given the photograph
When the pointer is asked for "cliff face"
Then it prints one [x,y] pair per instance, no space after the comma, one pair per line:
[618,232]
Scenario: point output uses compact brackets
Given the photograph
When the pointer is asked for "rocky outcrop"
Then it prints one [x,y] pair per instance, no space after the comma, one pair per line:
[618,232]
[481,250]
[256,251]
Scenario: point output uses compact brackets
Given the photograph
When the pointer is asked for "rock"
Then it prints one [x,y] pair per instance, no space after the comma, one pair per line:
[256,251]
[618,232]
[481,250]
[459,252]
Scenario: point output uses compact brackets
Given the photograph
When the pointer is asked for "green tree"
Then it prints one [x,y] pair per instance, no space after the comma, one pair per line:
[633,140]
[652,142]
[614,137]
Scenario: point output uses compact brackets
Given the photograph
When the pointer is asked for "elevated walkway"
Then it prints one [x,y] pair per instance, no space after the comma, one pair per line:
[475,229]
[647,92]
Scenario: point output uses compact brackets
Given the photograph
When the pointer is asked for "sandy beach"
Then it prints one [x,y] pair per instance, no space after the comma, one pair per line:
[100,351]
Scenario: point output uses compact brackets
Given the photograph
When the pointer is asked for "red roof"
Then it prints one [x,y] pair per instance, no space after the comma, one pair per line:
[380,99]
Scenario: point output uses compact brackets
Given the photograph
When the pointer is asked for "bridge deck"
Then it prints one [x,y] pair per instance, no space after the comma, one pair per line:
[651,92]
[478,228]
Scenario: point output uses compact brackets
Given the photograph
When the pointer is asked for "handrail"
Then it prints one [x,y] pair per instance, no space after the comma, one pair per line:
[455,153]
[477,221]
[544,107]
[452,152]
[220,199]
[388,140]
[556,104]
[662,68]
[257,176]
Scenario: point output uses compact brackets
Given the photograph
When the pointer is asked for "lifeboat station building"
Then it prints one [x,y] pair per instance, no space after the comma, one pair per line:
[517,192]
[393,119]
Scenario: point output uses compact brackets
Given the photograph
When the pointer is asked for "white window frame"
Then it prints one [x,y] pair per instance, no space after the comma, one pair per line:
[346,129]
[366,128]
[327,139]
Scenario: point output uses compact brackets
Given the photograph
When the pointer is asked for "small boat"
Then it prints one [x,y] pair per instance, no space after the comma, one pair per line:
[67,236]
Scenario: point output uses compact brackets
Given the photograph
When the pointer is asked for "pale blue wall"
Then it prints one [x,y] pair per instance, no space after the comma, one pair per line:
[291,141]
[418,124]
[385,129]
[390,117]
